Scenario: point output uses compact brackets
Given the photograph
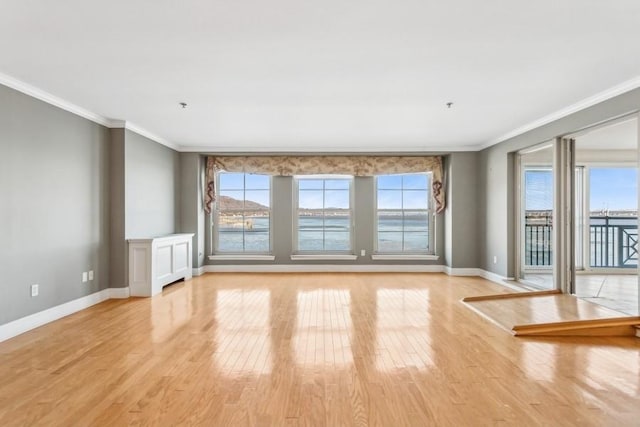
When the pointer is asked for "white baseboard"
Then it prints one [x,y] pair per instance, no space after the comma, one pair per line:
[478,272]
[493,276]
[323,268]
[19,326]
[24,324]
[500,280]
[463,271]
[353,268]
[119,293]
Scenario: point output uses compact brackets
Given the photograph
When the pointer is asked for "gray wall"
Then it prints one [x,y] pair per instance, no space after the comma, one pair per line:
[461,216]
[152,173]
[54,205]
[73,191]
[495,178]
[118,244]
[192,218]
[144,195]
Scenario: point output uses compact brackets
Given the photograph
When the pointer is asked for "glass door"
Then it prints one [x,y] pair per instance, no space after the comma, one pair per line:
[536,188]
[608,238]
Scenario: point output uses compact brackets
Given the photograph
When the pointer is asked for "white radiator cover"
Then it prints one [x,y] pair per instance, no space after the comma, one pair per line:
[158,261]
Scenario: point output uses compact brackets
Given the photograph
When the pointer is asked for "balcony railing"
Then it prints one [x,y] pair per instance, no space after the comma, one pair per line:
[537,239]
[613,241]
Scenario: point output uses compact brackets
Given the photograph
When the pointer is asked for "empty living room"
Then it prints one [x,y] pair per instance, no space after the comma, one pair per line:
[319,213]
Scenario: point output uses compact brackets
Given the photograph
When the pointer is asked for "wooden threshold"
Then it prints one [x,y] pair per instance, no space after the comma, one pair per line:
[621,326]
[551,313]
[510,295]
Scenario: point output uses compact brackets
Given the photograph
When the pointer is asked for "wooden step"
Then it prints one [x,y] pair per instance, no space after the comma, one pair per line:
[550,313]
[510,295]
[621,326]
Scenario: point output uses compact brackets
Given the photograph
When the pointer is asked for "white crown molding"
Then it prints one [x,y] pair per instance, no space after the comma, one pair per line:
[227,149]
[123,124]
[624,87]
[65,105]
[117,124]
[51,99]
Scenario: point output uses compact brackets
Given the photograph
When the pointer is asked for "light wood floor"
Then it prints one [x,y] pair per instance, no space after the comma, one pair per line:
[618,292]
[311,349]
[551,313]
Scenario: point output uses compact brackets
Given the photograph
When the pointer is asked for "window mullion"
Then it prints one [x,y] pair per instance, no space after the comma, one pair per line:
[402,213]
[324,224]
[244,210]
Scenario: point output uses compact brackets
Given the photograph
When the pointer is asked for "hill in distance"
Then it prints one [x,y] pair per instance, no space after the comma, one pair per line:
[231,204]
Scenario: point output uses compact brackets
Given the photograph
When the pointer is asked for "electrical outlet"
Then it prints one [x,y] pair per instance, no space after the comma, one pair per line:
[35,290]
[363,252]
[84,276]
[90,274]
[495,259]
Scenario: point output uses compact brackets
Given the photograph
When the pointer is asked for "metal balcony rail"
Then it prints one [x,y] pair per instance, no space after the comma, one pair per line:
[613,241]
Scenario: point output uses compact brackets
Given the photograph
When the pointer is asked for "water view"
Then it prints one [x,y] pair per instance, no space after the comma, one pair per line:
[325,233]
[324,205]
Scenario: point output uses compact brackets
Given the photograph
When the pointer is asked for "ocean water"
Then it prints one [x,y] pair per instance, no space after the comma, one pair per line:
[334,237]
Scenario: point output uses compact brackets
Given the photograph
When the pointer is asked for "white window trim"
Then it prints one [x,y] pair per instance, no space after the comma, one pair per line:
[406,256]
[587,166]
[586,211]
[430,254]
[249,256]
[322,255]
[241,257]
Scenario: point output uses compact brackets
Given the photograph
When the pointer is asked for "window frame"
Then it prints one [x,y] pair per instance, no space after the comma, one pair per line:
[301,254]
[431,221]
[588,166]
[215,252]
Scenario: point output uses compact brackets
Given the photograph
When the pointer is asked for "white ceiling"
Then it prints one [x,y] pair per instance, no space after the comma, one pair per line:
[292,75]
[621,135]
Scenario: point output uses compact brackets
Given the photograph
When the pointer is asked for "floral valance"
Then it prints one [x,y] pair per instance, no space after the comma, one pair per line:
[321,165]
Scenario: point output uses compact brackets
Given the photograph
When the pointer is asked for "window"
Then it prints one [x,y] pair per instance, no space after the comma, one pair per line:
[324,214]
[242,217]
[403,214]
[613,217]
[538,216]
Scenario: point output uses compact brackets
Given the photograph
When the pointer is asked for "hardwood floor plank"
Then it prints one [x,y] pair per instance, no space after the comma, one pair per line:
[312,350]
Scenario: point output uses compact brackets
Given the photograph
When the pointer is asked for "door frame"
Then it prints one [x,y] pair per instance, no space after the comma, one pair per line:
[520,204]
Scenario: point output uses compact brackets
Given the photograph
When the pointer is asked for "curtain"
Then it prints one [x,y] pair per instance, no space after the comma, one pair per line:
[319,165]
